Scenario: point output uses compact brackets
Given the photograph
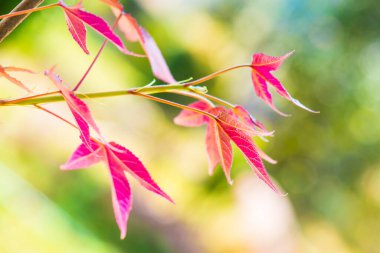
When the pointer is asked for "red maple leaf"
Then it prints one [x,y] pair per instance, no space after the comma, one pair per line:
[218,145]
[228,126]
[79,109]
[262,65]
[118,160]
[4,73]
[134,32]
[248,119]
[76,17]
[243,140]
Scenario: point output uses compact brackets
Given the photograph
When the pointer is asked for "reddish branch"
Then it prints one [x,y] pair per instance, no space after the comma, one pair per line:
[7,25]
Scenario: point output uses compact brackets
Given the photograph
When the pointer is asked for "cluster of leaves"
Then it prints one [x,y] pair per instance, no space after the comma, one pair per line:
[225,124]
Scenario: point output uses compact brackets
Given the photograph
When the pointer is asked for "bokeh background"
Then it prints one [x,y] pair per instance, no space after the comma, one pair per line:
[328,163]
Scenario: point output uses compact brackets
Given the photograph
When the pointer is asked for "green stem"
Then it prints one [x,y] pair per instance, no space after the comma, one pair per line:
[186,89]
[51,97]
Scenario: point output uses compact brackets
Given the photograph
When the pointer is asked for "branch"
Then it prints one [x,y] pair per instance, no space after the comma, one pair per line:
[182,88]
[7,25]
[52,97]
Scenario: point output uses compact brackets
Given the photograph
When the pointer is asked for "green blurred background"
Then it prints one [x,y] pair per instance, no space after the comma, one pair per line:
[328,163]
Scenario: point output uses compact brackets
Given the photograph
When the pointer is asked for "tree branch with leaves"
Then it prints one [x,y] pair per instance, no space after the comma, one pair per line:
[226,123]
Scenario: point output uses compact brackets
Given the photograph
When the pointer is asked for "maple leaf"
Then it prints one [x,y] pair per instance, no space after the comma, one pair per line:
[192,119]
[228,125]
[134,32]
[84,156]
[91,152]
[265,157]
[4,73]
[248,119]
[241,113]
[245,143]
[75,19]
[219,149]
[118,160]
[77,30]
[262,65]
[78,108]
[113,3]
[218,146]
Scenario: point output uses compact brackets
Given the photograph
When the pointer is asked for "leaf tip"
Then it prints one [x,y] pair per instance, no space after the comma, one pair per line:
[274,108]
[177,121]
[63,167]
[123,233]
[280,112]
[127,52]
[299,104]
[170,199]
[290,53]
[210,170]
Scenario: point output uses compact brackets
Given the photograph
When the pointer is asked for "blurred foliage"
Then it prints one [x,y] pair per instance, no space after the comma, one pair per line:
[328,163]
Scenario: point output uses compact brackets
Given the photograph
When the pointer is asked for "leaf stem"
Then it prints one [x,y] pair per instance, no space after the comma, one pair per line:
[185,89]
[217,100]
[164,101]
[55,115]
[215,74]
[193,95]
[52,97]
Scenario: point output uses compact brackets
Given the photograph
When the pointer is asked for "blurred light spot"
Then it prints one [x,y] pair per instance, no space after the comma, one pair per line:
[370,183]
[266,220]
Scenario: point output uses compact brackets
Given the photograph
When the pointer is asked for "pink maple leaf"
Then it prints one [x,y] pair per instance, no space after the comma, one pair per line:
[262,65]
[236,125]
[219,149]
[79,108]
[192,119]
[247,118]
[4,73]
[218,145]
[118,160]
[245,143]
[84,156]
[134,32]
[75,19]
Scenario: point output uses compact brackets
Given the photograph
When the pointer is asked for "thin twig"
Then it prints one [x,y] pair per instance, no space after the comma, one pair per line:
[55,115]
[215,74]
[97,55]
[174,104]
